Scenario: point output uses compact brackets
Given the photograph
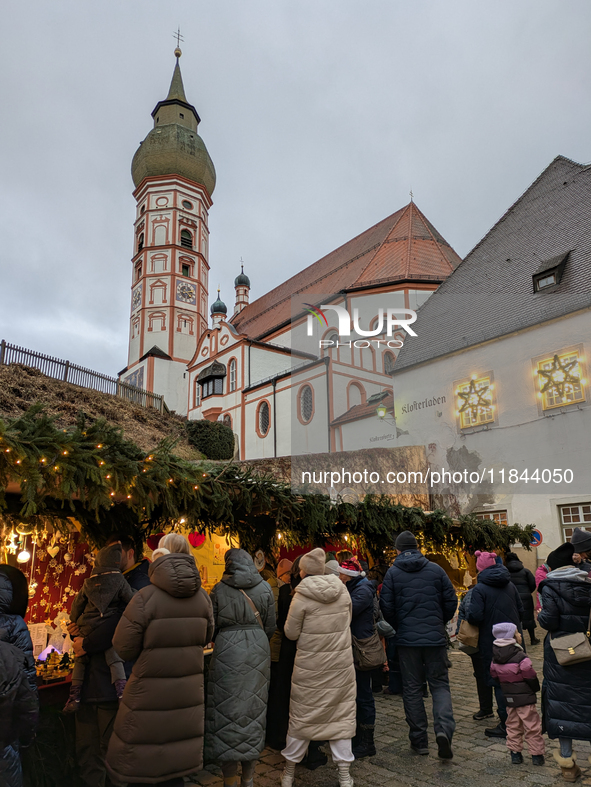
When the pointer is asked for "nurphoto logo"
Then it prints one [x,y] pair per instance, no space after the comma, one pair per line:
[394,319]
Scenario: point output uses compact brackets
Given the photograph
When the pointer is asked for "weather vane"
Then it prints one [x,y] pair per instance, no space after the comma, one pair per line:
[179,38]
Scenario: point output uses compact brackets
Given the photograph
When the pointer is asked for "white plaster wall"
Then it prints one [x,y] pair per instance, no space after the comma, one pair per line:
[170,380]
[522,437]
[264,363]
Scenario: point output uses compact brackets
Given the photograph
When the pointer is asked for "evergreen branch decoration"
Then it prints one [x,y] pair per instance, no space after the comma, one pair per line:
[107,483]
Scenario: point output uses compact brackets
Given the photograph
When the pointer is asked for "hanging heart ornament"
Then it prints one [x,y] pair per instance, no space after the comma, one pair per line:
[53,550]
[196,540]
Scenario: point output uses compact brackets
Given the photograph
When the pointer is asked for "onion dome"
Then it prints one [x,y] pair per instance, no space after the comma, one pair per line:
[242,279]
[218,306]
[173,146]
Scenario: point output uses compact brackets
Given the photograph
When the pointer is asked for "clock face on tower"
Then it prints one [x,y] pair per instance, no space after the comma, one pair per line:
[136,298]
[185,292]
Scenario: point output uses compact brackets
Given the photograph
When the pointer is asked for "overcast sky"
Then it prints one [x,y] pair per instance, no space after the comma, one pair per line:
[319,115]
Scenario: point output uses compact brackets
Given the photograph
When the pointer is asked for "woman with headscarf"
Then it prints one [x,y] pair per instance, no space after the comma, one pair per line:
[238,681]
[566,692]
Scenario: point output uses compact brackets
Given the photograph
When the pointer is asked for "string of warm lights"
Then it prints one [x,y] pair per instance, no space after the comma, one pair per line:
[140,493]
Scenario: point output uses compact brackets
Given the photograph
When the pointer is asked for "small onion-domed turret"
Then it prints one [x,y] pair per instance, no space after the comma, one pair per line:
[242,287]
[242,279]
[218,306]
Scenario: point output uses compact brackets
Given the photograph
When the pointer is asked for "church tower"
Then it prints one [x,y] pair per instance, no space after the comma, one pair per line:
[174,179]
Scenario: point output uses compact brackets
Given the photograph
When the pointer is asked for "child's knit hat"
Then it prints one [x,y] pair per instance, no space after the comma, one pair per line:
[504,630]
[485,560]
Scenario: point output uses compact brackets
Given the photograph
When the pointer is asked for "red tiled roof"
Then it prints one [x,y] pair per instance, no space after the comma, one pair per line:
[404,245]
[364,410]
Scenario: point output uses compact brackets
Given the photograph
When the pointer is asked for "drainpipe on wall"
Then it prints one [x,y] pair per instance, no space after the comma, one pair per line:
[274,418]
[326,365]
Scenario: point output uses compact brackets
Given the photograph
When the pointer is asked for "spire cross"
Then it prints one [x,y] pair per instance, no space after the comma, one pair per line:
[178,37]
[242,264]
[411,195]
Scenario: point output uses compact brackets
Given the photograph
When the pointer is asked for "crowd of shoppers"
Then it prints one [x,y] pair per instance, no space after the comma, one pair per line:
[294,653]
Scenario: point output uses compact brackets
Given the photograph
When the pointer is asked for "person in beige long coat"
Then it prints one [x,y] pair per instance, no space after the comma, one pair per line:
[158,733]
[323,687]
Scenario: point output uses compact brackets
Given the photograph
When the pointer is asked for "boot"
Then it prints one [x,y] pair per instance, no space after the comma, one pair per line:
[365,747]
[516,758]
[568,766]
[500,731]
[73,703]
[345,779]
[288,774]
[314,758]
[483,714]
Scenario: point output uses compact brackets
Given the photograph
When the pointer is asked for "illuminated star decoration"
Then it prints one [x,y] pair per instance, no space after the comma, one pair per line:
[474,399]
[559,376]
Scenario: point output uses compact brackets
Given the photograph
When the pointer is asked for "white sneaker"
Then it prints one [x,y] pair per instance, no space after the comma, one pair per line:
[345,778]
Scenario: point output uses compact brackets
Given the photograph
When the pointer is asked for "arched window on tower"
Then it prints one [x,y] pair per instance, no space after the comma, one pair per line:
[186,239]
[140,242]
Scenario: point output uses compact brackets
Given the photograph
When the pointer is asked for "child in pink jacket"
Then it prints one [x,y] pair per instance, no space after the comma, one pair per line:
[519,684]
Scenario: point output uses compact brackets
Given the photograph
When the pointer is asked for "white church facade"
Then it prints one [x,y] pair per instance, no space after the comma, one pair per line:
[256,369]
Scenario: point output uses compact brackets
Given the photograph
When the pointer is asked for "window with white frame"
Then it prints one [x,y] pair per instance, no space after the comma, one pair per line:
[232,375]
[500,517]
[575,515]
[474,401]
[560,380]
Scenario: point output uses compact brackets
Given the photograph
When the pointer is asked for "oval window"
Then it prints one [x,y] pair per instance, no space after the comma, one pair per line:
[188,205]
[306,404]
[264,418]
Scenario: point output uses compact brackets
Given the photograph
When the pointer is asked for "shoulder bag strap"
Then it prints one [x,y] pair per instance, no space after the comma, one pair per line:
[251,604]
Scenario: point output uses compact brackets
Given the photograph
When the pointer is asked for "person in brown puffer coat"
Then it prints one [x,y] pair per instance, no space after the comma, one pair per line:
[158,733]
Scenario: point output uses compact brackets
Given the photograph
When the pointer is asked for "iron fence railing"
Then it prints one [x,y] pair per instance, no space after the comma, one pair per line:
[78,375]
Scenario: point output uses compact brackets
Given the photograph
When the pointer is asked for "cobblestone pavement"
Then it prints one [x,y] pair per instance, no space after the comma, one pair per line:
[478,761]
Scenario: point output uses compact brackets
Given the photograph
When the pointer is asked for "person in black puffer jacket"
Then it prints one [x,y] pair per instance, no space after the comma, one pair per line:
[525,583]
[417,600]
[14,599]
[566,692]
[363,625]
[494,600]
[19,712]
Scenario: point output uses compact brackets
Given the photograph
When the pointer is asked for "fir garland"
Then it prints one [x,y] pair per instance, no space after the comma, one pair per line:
[108,484]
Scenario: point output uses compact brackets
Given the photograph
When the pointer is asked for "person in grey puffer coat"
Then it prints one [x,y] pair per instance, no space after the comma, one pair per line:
[238,682]
[14,600]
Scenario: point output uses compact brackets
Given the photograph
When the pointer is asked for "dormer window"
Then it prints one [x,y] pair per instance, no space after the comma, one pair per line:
[211,379]
[550,272]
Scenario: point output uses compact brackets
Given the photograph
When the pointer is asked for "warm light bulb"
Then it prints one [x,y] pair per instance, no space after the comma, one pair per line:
[23,556]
